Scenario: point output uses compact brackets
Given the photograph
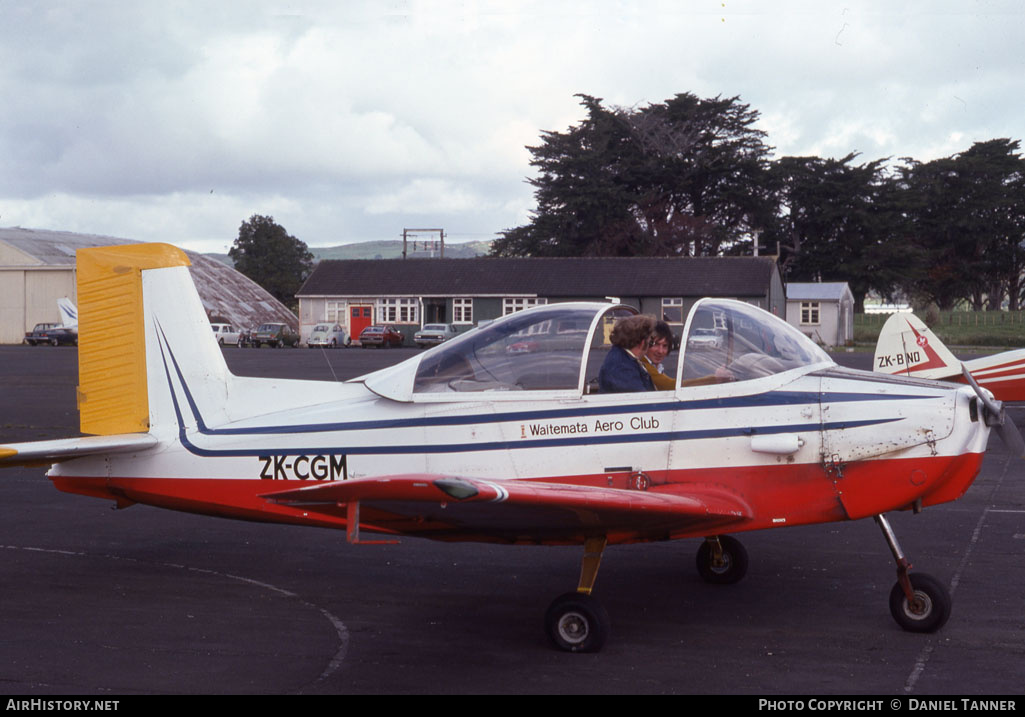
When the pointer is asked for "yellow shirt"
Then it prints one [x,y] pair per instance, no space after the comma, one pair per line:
[661,381]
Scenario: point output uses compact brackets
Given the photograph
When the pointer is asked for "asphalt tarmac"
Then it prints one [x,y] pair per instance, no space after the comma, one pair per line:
[144,601]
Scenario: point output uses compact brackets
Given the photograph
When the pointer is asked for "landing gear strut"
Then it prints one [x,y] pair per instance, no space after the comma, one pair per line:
[575,621]
[918,602]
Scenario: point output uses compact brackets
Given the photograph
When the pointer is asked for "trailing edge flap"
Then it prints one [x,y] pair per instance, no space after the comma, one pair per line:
[65,449]
[540,505]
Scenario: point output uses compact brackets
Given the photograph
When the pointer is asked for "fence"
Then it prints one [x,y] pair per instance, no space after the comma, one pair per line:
[966,328]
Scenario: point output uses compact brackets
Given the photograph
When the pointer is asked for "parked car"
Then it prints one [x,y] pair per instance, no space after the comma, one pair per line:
[53,334]
[275,335]
[705,339]
[380,336]
[38,334]
[226,334]
[328,336]
[522,347]
[434,334]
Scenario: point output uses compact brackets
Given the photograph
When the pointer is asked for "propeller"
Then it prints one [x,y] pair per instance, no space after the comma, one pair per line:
[996,417]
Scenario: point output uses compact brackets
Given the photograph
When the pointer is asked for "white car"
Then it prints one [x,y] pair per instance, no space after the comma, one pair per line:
[705,339]
[434,334]
[328,336]
[226,334]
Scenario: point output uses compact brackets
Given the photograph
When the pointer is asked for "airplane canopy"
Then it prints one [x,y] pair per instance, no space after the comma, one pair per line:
[559,348]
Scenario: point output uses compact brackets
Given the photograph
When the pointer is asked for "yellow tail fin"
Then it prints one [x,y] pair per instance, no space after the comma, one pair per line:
[112,392]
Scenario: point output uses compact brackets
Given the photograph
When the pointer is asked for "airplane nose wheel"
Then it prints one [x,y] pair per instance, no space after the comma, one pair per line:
[927,611]
[918,602]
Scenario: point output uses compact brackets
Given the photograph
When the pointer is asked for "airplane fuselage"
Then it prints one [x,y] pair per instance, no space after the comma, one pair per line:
[832,444]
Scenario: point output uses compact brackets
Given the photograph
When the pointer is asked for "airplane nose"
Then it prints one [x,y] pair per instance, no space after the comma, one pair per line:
[995,416]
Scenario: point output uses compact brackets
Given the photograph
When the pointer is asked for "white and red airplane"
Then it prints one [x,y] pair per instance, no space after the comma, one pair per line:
[481,440]
[908,347]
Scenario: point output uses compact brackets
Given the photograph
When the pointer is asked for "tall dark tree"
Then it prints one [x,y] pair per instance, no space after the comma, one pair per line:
[838,221]
[683,177]
[584,191]
[968,213]
[271,257]
[706,168]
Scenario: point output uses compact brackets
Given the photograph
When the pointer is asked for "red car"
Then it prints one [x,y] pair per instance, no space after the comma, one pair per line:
[380,336]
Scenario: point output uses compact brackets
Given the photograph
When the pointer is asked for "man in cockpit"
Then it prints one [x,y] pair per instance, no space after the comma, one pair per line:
[622,371]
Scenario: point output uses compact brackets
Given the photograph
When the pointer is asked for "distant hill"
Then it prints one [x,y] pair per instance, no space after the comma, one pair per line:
[390,249]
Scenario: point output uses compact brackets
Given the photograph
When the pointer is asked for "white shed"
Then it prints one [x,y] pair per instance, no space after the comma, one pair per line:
[823,311]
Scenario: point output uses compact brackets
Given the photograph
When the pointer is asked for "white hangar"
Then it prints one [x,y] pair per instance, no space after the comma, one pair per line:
[37,267]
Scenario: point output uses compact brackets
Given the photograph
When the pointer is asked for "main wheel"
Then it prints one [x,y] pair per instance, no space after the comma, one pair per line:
[729,569]
[929,610]
[576,622]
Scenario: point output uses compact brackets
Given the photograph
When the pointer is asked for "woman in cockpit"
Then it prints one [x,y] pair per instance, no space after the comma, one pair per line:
[660,343]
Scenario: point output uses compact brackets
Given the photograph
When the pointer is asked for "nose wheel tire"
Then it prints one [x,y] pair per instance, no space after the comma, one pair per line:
[929,610]
[576,622]
[725,569]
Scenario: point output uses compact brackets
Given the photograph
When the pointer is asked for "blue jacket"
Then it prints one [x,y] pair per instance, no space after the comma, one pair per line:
[622,373]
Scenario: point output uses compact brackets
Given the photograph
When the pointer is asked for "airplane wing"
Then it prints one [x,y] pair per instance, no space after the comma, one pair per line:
[517,511]
[47,452]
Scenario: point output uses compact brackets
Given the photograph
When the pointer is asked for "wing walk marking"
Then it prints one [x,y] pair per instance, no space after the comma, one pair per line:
[494,445]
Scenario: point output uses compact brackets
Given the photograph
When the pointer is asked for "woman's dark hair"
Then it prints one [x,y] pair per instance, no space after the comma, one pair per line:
[662,331]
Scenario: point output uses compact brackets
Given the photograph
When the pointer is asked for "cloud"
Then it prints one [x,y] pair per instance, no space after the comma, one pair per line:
[348,121]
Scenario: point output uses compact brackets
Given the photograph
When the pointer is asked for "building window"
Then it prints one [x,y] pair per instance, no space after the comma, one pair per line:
[672,310]
[398,311]
[810,313]
[462,311]
[511,306]
[335,312]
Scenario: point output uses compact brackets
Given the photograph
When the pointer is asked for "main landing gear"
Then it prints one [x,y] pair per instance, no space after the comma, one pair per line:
[918,602]
[577,622]
[722,560]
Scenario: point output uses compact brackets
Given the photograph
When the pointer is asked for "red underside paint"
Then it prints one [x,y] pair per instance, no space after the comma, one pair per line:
[775,496]
[1002,390]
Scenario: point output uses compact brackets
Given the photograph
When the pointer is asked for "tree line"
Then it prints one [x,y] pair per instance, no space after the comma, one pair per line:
[695,177]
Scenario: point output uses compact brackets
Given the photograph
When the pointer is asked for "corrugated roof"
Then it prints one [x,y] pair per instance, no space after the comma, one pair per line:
[548,276]
[223,291]
[52,247]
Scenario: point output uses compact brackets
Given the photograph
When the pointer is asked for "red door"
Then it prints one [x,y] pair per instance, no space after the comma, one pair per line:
[360,317]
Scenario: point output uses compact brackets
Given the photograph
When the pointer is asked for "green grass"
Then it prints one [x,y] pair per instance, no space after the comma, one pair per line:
[957,328]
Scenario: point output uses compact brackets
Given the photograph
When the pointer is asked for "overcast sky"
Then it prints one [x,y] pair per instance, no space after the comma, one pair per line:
[347,120]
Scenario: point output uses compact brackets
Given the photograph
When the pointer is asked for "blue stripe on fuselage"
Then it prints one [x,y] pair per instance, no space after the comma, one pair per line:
[772,398]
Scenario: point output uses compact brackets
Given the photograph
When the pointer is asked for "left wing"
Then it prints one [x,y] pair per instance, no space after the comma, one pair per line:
[516,511]
[39,453]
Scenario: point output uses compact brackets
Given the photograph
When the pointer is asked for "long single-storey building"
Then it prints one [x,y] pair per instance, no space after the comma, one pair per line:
[412,292]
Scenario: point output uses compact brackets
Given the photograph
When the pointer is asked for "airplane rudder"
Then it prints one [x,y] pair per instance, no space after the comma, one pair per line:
[112,390]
